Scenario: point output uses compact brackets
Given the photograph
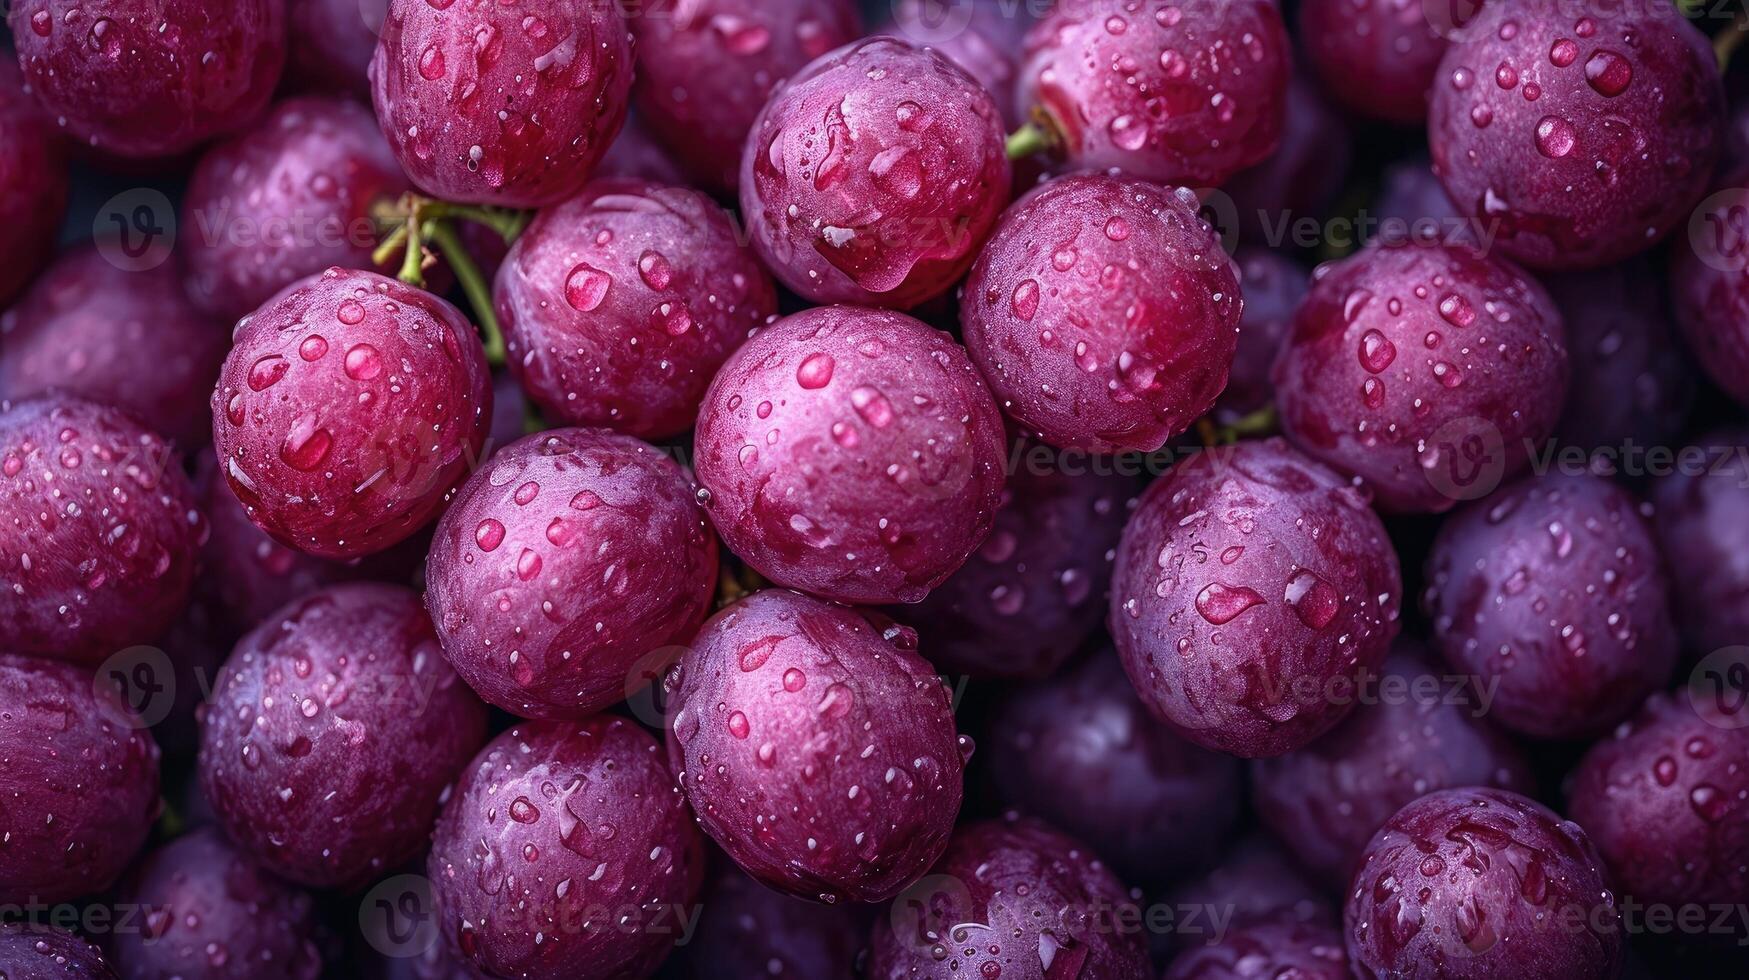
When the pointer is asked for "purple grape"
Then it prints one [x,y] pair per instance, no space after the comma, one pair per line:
[1709,285]
[982,36]
[1273,286]
[36,952]
[1301,178]
[816,747]
[620,304]
[1254,589]
[1267,948]
[1081,752]
[1104,313]
[33,183]
[1701,515]
[636,155]
[1254,881]
[1475,884]
[873,176]
[331,43]
[1552,592]
[130,339]
[1379,58]
[565,571]
[1411,205]
[749,932]
[1325,800]
[851,453]
[1424,369]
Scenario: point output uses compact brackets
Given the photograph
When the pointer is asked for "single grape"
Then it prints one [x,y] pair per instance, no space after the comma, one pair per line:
[151,79]
[1411,205]
[1416,735]
[1379,59]
[349,406]
[1036,895]
[873,176]
[101,530]
[333,734]
[567,569]
[1701,515]
[984,37]
[29,951]
[620,304]
[1429,371]
[851,453]
[1585,135]
[130,339]
[816,747]
[749,931]
[1475,884]
[1254,881]
[1551,593]
[1267,948]
[33,183]
[1298,181]
[1254,590]
[508,104]
[1034,591]
[1104,313]
[285,200]
[554,822]
[331,43]
[1081,752]
[1178,93]
[84,769]
[1274,285]
[1709,285]
[706,68]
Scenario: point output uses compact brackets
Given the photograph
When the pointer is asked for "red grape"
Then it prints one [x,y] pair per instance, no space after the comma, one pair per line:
[566,569]
[851,453]
[706,68]
[1179,93]
[1274,286]
[349,406]
[565,845]
[982,36]
[818,749]
[493,103]
[285,200]
[103,531]
[620,304]
[332,42]
[1586,134]
[151,79]
[1551,592]
[1254,589]
[130,339]
[873,176]
[1475,884]
[1379,57]
[33,183]
[1104,313]
[1427,370]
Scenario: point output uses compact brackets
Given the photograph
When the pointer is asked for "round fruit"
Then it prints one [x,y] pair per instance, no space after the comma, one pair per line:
[1104,313]
[99,530]
[1274,286]
[33,184]
[151,79]
[1081,752]
[566,570]
[1267,948]
[493,103]
[1664,798]
[1470,884]
[749,931]
[1034,591]
[1410,205]
[36,952]
[331,43]
[818,749]
[1165,91]
[285,200]
[1585,138]
[1702,521]
[1552,594]
[982,37]
[1256,881]
[1415,736]
[1425,369]
[1379,58]
[705,69]
[873,176]
[1254,591]
[620,304]
[348,407]
[1709,283]
[78,781]
[566,853]
[1632,385]
[129,339]
[333,733]
[208,913]
[1012,899]
[851,453]
[1299,180]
